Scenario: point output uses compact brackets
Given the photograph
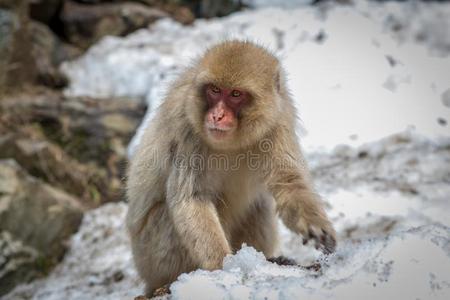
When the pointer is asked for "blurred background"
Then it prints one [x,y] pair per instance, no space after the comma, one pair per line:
[79,80]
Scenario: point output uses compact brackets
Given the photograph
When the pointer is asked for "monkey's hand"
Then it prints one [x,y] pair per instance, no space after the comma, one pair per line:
[318,228]
[302,212]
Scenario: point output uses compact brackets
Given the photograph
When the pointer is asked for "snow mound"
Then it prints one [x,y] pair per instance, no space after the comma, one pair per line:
[411,265]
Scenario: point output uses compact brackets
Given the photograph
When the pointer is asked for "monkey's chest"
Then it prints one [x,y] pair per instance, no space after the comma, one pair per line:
[238,192]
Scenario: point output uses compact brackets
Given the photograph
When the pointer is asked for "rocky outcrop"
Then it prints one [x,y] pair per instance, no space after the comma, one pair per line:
[76,144]
[29,51]
[17,66]
[48,51]
[58,157]
[48,161]
[45,11]
[17,262]
[36,221]
[86,24]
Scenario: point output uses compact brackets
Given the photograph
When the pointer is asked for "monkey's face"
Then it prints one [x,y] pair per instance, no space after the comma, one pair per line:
[223,108]
[233,116]
[233,98]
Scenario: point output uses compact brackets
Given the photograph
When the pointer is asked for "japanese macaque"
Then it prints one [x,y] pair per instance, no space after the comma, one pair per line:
[216,166]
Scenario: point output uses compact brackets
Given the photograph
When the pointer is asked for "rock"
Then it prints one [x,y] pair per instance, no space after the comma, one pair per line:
[36,221]
[209,9]
[17,262]
[48,161]
[44,44]
[85,24]
[48,52]
[181,14]
[17,66]
[76,144]
[181,9]
[45,11]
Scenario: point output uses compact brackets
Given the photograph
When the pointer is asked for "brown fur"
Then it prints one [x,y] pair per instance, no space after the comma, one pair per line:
[182,217]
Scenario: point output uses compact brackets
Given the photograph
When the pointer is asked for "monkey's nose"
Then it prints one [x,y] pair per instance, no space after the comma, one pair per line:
[218,116]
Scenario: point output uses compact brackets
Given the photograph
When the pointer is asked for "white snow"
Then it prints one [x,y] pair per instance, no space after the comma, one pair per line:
[372,84]
[372,269]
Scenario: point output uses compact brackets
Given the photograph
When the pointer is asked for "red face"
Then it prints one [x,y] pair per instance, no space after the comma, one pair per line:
[223,108]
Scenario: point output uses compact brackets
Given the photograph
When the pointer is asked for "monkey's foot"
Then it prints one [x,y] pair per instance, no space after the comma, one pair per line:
[141,297]
[282,261]
[164,290]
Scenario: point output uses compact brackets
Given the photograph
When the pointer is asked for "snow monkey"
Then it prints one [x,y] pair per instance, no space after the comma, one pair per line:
[216,166]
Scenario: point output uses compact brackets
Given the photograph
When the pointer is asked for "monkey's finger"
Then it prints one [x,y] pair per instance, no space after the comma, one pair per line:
[328,242]
[313,234]
[307,237]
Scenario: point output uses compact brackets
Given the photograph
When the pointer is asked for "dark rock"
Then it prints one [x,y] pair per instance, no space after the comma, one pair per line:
[45,10]
[36,221]
[210,8]
[17,262]
[48,52]
[48,161]
[198,8]
[12,4]
[85,24]
[17,67]
[29,51]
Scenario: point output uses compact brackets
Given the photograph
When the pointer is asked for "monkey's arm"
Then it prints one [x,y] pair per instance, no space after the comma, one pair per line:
[145,187]
[299,207]
[196,221]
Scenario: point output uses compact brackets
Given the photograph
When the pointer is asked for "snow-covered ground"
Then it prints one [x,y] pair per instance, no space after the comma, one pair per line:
[372,85]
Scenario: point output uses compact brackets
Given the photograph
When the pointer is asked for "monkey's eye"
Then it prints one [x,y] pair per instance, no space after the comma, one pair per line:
[235,93]
[215,89]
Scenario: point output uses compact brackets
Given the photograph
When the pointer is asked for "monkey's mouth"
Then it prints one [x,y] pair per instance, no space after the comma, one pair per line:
[219,129]
[218,132]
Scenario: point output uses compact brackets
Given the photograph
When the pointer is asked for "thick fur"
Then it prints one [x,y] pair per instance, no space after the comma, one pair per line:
[185,215]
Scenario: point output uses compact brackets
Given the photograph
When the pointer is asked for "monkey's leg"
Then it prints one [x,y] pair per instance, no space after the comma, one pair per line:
[158,254]
[259,228]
